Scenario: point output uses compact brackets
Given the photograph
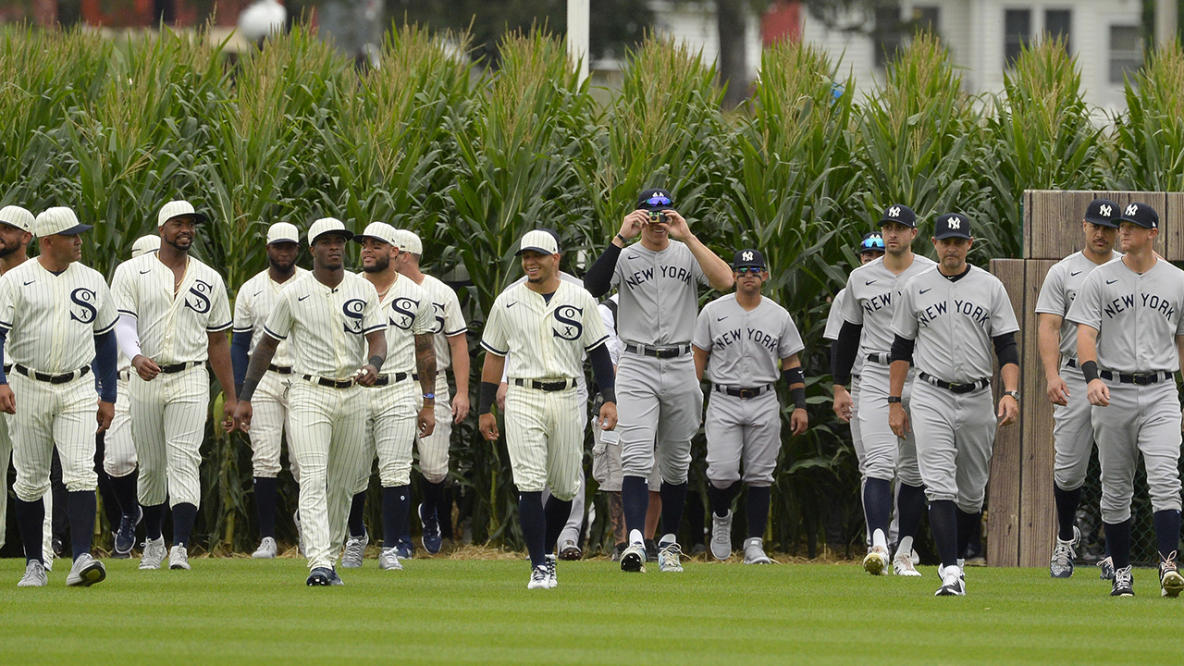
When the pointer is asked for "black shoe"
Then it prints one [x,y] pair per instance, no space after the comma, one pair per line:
[1124,584]
[321,576]
[125,537]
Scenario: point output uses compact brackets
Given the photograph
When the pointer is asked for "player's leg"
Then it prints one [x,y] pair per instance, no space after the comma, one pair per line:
[73,432]
[975,438]
[120,465]
[348,457]
[932,415]
[881,447]
[526,441]
[1116,433]
[571,523]
[606,470]
[1073,440]
[147,412]
[725,440]
[680,413]
[910,497]
[32,453]
[267,429]
[637,408]
[762,444]
[184,426]
[394,437]
[357,537]
[1159,442]
[311,430]
[564,424]
[433,465]
[5,460]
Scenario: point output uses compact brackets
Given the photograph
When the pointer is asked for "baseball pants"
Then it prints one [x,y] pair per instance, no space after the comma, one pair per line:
[657,400]
[606,466]
[1139,419]
[433,449]
[856,433]
[48,415]
[390,433]
[119,449]
[327,439]
[575,518]
[47,526]
[883,455]
[168,425]
[268,420]
[1072,433]
[742,432]
[955,433]
[545,439]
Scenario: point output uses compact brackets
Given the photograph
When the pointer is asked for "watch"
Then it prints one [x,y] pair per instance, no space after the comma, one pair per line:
[893,399]
[429,396]
[1014,394]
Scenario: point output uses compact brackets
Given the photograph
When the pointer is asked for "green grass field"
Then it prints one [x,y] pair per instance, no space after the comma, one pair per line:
[239,610]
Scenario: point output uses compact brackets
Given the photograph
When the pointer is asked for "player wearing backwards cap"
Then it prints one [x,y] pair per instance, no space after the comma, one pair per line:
[336,326]
[946,321]
[544,326]
[58,317]
[873,291]
[660,397]
[174,315]
[1130,337]
[1057,341]
[252,305]
[742,342]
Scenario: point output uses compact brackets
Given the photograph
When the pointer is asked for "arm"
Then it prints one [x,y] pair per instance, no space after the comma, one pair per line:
[376,356]
[127,334]
[1048,343]
[219,351]
[844,350]
[1009,371]
[7,399]
[240,345]
[701,356]
[898,372]
[491,374]
[264,351]
[425,366]
[1087,355]
[718,272]
[602,370]
[598,279]
[106,366]
[791,372]
[460,371]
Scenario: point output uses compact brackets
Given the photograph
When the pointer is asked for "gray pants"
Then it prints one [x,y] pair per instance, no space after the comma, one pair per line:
[883,455]
[742,431]
[1139,419]
[657,398]
[955,434]
[1072,433]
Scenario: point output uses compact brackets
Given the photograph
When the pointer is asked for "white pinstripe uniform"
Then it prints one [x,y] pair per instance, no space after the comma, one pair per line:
[169,412]
[545,342]
[255,301]
[448,322]
[327,425]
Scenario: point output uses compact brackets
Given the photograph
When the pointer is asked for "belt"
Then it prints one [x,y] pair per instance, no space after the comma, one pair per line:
[542,385]
[956,388]
[744,393]
[178,367]
[883,358]
[1140,378]
[7,368]
[658,352]
[384,380]
[283,370]
[331,383]
[52,379]
[1072,363]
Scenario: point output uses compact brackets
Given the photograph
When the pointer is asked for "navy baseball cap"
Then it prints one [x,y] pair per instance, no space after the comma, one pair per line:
[1139,213]
[750,258]
[951,225]
[872,242]
[1102,213]
[899,214]
[654,199]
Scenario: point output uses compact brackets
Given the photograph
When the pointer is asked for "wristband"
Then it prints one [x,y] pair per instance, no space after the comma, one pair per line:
[376,361]
[623,239]
[793,376]
[798,395]
[894,399]
[487,397]
[1090,370]
[609,394]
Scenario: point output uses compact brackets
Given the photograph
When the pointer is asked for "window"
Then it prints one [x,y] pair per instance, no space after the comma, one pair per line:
[1017,31]
[1057,26]
[886,38]
[1126,51]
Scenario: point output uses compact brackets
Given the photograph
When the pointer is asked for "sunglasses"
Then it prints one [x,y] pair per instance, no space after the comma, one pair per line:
[658,201]
[749,269]
[876,243]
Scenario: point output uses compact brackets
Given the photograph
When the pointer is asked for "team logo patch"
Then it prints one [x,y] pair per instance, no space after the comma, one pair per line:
[198,298]
[568,324]
[1104,210]
[1131,210]
[954,223]
[403,312]
[438,327]
[894,211]
[83,310]
[746,256]
[352,309]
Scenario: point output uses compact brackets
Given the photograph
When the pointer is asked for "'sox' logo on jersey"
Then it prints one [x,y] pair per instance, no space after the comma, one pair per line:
[198,298]
[352,309]
[569,325]
[1105,210]
[403,312]
[84,302]
[439,311]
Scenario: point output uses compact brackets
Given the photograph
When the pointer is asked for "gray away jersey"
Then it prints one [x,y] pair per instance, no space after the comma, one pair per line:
[953,322]
[1137,316]
[1060,288]
[745,345]
[659,297]
[873,291]
[834,324]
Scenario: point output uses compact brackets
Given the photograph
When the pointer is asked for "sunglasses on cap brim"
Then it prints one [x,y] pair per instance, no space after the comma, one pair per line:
[658,201]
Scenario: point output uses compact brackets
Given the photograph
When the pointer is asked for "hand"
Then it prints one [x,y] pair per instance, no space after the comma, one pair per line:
[500,398]
[898,420]
[105,414]
[366,375]
[1058,392]
[145,367]
[460,407]
[843,405]
[799,420]
[427,420]
[676,226]
[1009,410]
[633,222]
[608,416]
[487,424]
[242,415]
[1098,393]
[228,408]
[7,399]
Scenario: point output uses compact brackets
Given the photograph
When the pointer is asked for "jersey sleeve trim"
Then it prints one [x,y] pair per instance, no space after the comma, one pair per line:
[371,329]
[459,331]
[108,328]
[244,329]
[273,334]
[215,329]
[596,344]
[493,350]
[130,313]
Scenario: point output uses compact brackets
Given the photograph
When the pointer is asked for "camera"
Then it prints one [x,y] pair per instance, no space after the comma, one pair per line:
[657,216]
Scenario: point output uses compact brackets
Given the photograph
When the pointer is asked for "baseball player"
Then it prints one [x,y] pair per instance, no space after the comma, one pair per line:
[174,315]
[873,291]
[254,303]
[57,317]
[945,324]
[452,351]
[397,410]
[1130,336]
[660,396]
[742,342]
[544,326]
[336,326]
[1057,343]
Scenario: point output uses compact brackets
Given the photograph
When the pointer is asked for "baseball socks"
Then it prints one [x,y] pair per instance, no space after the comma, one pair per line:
[153,520]
[557,512]
[877,504]
[1167,532]
[1067,501]
[674,497]
[720,499]
[81,506]
[533,518]
[943,520]
[265,493]
[30,518]
[124,489]
[433,497]
[184,515]
[635,500]
[357,510]
[396,505]
[758,510]
[1118,538]
[968,523]
[910,505]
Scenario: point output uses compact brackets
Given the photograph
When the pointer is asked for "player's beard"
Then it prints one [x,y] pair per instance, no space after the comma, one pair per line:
[7,251]
[380,264]
[283,268]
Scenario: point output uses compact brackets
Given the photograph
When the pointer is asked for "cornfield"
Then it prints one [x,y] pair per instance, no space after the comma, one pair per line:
[471,158]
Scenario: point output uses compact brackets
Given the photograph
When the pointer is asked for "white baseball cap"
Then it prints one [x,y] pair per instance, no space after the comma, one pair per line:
[328,225]
[177,209]
[283,232]
[145,244]
[409,242]
[539,241]
[58,220]
[380,231]
[18,217]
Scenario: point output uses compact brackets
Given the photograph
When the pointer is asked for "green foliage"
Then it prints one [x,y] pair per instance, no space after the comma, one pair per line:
[1150,133]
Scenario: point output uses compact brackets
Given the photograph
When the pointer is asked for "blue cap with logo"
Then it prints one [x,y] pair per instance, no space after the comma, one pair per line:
[951,225]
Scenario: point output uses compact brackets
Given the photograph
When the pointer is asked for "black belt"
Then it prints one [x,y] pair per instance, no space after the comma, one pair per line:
[52,379]
[178,367]
[658,352]
[744,393]
[557,385]
[1140,378]
[7,368]
[384,380]
[883,358]
[331,383]
[1072,363]
[283,370]
[956,388]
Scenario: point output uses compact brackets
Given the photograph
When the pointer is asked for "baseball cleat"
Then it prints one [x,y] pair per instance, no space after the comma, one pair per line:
[1170,580]
[721,536]
[432,541]
[115,555]
[754,553]
[552,572]
[953,584]
[86,571]
[355,551]
[1063,556]
[876,560]
[633,559]
[388,560]
[404,548]
[179,558]
[902,565]
[320,577]
[266,549]
[538,579]
[154,553]
[125,536]
[668,557]
[570,550]
[1106,568]
[34,575]
[1123,584]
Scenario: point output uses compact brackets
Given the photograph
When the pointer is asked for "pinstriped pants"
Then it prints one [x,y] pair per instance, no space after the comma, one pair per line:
[433,449]
[269,418]
[545,438]
[390,433]
[48,415]
[119,450]
[168,423]
[47,526]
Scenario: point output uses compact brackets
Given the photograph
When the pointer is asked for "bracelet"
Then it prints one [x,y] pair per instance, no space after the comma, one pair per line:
[894,399]
[623,239]
[429,396]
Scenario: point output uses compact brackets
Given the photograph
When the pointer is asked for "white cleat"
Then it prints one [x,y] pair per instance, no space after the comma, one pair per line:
[902,565]
[388,560]
[179,558]
[668,557]
[35,575]
[721,536]
[86,571]
[633,559]
[876,560]
[355,551]
[266,549]
[754,552]
[154,553]
[538,579]
[552,572]
[953,583]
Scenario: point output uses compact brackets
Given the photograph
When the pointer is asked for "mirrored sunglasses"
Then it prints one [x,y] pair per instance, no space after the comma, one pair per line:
[658,201]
